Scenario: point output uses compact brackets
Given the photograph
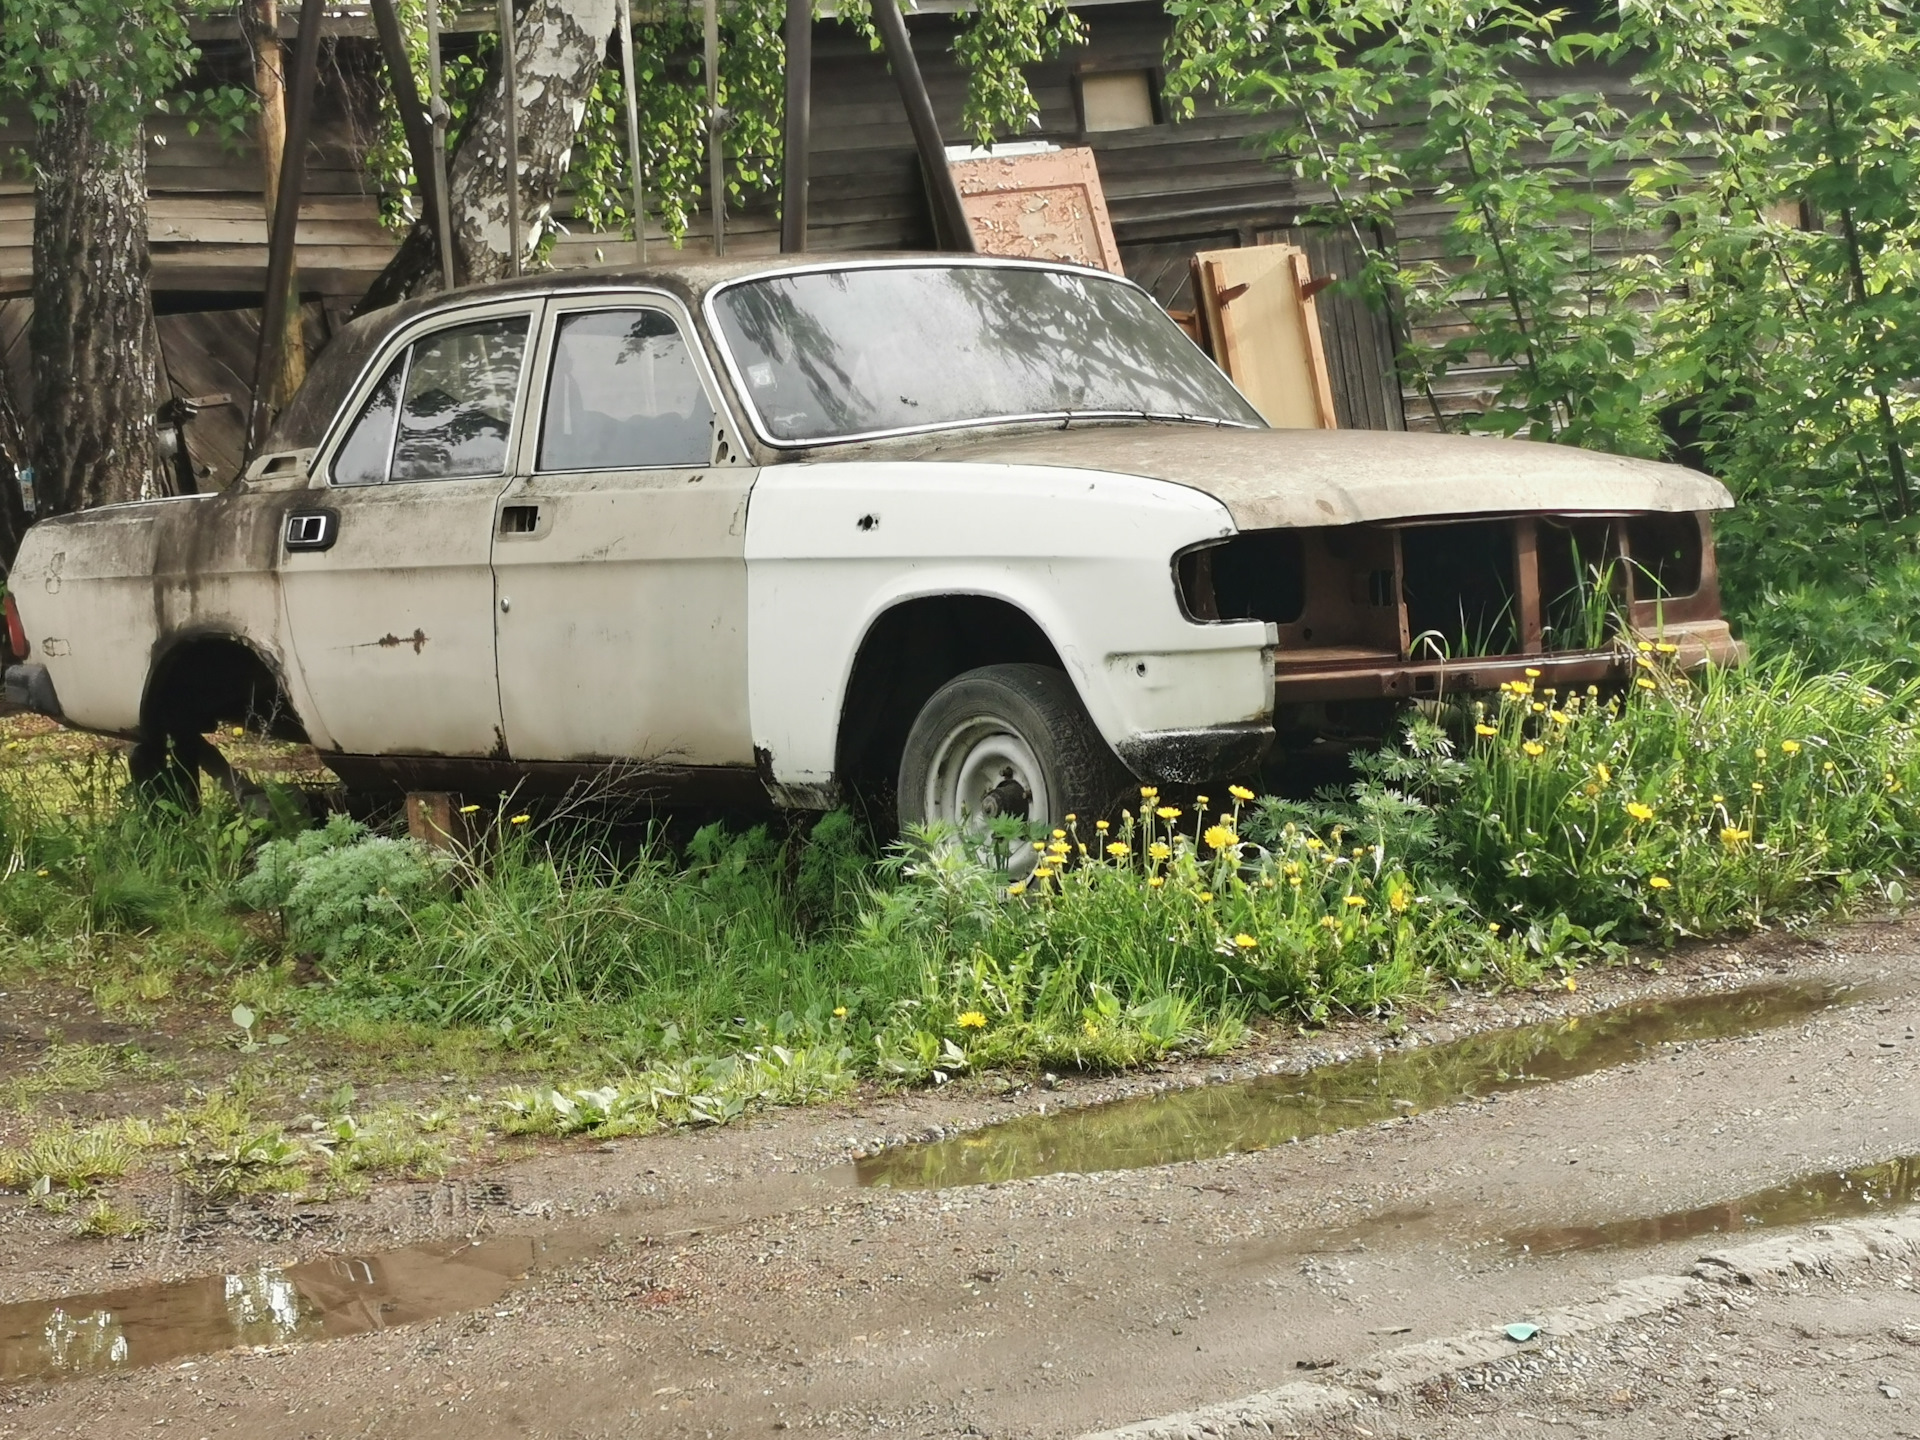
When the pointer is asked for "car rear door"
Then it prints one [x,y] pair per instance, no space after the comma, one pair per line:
[386,567]
[620,552]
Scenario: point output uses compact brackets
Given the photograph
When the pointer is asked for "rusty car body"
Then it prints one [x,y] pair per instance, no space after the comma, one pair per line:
[989,535]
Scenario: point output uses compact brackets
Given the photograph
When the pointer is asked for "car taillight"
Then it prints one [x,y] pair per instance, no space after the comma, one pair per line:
[16,632]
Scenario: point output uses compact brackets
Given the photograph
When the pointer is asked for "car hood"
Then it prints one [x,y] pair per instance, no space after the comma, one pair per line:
[1285,478]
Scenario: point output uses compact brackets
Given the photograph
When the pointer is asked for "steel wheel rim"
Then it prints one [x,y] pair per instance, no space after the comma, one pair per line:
[976,756]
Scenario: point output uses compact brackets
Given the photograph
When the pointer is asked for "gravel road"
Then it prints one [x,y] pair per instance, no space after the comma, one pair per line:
[739,1281]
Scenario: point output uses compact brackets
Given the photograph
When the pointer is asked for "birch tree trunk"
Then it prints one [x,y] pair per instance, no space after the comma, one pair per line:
[93,338]
[559,47]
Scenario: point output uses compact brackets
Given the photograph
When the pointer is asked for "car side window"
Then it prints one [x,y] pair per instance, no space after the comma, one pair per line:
[368,448]
[443,410]
[623,393]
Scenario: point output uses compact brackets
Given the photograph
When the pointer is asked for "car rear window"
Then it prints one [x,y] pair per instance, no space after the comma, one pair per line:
[874,350]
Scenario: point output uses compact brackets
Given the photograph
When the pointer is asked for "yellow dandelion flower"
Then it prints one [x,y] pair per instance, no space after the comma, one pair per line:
[1154,882]
[1399,898]
[1760,789]
[1571,983]
[1760,752]
[1149,792]
[1646,684]
[1206,897]
[1538,708]
[1532,674]
[1559,717]
[1220,837]
[1018,887]
[1168,812]
[1665,647]
[1485,729]
[1159,850]
[1119,850]
[1042,873]
[1534,747]
[520,819]
[1358,851]
[1639,811]
[1644,646]
[1605,774]
[1070,818]
[1246,942]
[972,1020]
[469,809]
[1643,662]
[1493,927]
[839,1012]
[1790,747]
[1059,834]
[241,730]
[1719,799]
[1731,836]
[1659,882]
[1828,767]
[1240,792]
[1314,842]
[1199,800]
[1294,880]
[1099,825]
[1356,902]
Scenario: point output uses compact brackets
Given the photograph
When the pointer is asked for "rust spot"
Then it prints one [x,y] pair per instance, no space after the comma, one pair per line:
[417,640]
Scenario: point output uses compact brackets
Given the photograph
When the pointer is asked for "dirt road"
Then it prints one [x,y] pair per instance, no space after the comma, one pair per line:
[740,1281]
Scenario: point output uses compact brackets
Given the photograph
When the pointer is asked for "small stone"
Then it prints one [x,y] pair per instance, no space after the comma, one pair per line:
[1892,1392]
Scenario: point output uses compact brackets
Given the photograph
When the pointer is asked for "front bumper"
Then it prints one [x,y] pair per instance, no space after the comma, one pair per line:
[1301,677]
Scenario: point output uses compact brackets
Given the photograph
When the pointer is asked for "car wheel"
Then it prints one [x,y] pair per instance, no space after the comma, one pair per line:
[1007,740]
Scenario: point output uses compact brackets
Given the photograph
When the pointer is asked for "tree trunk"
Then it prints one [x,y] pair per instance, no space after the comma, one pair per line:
[93,338]
[559,47]
[13,457]
[269,83]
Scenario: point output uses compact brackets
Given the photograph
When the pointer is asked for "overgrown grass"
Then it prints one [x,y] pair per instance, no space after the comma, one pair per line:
[668,987]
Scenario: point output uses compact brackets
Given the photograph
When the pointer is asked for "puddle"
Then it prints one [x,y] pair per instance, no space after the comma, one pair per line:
[317,1300]
[1214,1120]
[1830,1195]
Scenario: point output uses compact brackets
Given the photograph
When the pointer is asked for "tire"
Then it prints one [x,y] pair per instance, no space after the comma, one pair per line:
[1007,740]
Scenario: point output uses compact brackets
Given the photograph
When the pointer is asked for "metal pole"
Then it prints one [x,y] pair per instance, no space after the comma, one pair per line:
[286,220]
[406,97]
[716,149]
[511,83]
[949,215]
[793,182]
[437,113]
[633,133]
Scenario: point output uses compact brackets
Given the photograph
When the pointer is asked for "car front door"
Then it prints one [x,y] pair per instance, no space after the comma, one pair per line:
[386,570]
[620,554]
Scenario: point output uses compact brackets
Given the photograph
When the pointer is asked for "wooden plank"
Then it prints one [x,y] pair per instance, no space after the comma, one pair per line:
[1266,333]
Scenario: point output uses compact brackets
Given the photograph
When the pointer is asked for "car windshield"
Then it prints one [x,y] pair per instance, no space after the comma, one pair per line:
[841,354]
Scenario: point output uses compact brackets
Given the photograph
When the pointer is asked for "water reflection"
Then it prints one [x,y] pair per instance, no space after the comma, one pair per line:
[1828,1195]
[1216,1120]
[268,1305]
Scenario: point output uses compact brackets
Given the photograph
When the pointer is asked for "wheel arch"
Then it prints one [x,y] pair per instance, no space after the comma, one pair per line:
[202,678]
[907,652]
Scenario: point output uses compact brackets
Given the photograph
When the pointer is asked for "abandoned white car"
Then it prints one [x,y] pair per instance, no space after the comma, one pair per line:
[984,536]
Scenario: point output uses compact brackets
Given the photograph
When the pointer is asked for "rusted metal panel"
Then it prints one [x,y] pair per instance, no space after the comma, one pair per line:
[1046,206]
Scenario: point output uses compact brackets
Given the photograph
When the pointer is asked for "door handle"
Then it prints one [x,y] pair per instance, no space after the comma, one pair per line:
[519,519]
[312,529]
